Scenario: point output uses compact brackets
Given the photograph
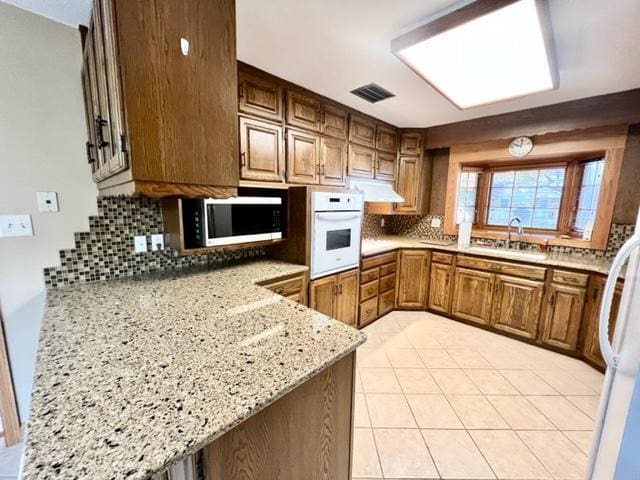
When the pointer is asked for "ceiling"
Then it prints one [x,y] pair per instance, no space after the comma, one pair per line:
[334,46]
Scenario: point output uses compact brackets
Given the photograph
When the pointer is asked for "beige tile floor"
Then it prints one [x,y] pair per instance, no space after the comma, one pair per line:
[437,398]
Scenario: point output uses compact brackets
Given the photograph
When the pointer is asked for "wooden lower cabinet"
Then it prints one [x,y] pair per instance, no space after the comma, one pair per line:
[336,296]
[275,442]
[440,281]
[413,269]
[472,295]
[516,305]
[294,287]
[377,287]
[563,317]
[591,342]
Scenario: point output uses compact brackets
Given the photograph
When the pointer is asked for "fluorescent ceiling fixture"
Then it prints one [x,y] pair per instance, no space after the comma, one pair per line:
[481,54]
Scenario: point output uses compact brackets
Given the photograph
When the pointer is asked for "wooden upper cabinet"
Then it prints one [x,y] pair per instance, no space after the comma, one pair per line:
[413,269]
[303,157]
[322,295]
[334,122]
[385,166]
[386,139]
[303,111]
[411,143]
[407,184]
[347,301]
[472,295]
[261,150]
[260,96]
[440,281]
[516,305]
[362,131]
[563,316]
[591,341]
[333,161]
[361,161]
[90,93]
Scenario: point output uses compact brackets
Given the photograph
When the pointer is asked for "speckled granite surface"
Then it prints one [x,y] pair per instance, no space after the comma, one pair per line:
[134,374]
[388,243]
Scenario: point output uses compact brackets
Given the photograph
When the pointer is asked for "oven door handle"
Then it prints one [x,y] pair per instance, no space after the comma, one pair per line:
[337,216]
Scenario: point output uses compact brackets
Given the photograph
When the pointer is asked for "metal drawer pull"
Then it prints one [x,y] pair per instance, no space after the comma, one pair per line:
[100,124]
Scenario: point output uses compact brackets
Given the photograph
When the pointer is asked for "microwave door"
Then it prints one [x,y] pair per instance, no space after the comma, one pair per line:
[336,242]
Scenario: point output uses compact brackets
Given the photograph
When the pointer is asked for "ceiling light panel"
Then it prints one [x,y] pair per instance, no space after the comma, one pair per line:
[491,57]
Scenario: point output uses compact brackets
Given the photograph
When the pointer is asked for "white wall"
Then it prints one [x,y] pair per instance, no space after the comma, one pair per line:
[42,135]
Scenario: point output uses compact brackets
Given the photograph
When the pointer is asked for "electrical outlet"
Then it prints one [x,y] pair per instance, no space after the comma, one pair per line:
[436,223]
[157,242]
[16,226]
[382,222]
[48,201]
[140,243]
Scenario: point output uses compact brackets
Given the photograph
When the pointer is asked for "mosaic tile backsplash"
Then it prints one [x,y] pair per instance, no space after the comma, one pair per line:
[106,251]
[420,226]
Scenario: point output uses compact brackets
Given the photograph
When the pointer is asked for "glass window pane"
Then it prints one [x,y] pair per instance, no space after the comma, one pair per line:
[523,197]
[582,217]
[471,196]
[524,214]
[589,175]
[500,197]
[498,216]
[543,218]
[526,178]
[586,197]
[551,177]
[548,197]
[502,179]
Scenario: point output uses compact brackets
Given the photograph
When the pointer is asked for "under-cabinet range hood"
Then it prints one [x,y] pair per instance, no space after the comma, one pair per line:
[376,191]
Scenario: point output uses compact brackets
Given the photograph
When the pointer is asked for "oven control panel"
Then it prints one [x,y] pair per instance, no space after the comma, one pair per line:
[330,201]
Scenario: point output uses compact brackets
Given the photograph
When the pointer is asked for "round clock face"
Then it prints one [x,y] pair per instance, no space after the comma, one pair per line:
[521,146]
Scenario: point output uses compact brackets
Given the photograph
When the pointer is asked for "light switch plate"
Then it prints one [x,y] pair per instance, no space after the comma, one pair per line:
[16,226]
[157,242]
[140,243]
[48,201]
[436,223]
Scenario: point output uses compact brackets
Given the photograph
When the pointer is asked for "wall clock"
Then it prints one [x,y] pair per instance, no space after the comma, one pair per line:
[520,146]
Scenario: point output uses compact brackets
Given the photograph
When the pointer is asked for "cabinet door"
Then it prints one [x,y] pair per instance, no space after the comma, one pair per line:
[412,279]
[563,316]
[347,307]
[440,287]
[360,161]
[362,131]
[90,92]
[258,96]
[334,122]
[261,150]
[591,348]
[386,139]
[116,151]
[407,184]
[303,157]
[411,143]
[472,295]
[333,161]
[322,295]
[303,111]
[516,306]
[385,166]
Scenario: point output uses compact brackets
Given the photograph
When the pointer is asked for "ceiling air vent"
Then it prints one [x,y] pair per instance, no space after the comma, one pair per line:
[372,93]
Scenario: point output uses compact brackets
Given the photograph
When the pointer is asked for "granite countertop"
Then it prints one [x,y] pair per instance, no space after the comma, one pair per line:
[373,246]
[135,374]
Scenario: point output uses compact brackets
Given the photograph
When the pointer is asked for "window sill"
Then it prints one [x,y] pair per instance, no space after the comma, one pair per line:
[537,238]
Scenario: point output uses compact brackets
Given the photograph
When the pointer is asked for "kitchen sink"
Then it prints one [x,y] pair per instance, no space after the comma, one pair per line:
[504,252]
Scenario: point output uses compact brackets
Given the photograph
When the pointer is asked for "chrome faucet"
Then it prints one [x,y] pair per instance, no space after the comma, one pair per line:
[520,230]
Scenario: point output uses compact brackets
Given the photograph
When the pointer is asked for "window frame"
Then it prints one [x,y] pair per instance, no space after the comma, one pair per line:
[568,201]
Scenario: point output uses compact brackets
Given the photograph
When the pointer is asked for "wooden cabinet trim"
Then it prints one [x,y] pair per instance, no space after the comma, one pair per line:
[570,278]
[440,257]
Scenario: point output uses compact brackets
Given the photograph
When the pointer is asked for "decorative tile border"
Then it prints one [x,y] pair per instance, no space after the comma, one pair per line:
[420,226]
[106,250]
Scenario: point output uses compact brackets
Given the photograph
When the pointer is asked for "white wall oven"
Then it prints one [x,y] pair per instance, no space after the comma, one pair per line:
[336,220]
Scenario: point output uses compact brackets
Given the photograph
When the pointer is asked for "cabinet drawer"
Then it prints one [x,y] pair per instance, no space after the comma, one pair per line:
[387,282]
[387,269]
[367,276]
[297,297]
[570,278]
[368,311]
[371,262]
[368,290]
[536,273]
[439,257]
[287,287]
[386,302]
